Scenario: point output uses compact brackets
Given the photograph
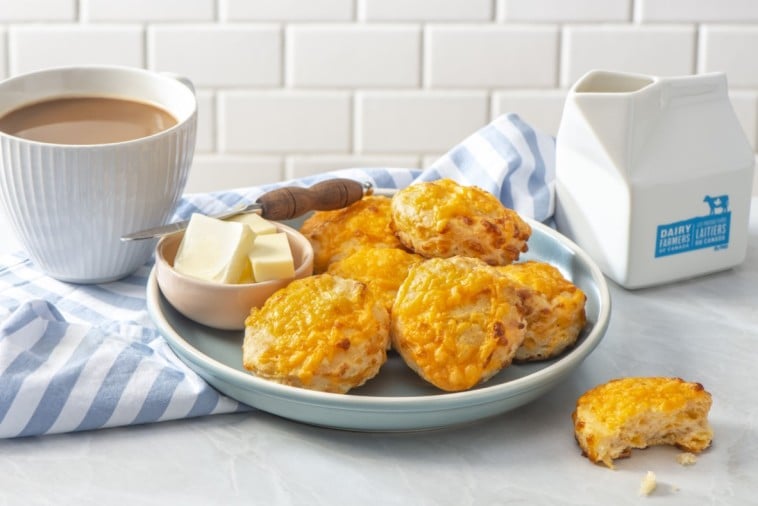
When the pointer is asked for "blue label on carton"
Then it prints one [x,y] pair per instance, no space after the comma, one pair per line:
[709,231]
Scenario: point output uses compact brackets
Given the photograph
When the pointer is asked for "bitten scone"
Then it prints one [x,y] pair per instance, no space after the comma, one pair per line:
[336,234]
[555,313]
[321,332]
[444,219]
[456,322]
[383,269]
[627,413]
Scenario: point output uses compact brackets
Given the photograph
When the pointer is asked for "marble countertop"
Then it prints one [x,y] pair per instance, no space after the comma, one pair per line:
[704,329]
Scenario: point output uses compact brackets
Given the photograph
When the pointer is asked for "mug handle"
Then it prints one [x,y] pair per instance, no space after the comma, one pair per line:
[182,79]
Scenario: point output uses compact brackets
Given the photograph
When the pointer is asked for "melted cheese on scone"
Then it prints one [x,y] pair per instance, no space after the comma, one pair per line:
[638,412]
[456,322]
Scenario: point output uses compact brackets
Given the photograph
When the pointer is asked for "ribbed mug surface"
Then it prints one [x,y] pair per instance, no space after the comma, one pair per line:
[70,204]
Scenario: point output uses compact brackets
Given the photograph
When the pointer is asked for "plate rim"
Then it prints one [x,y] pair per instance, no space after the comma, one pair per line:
[415,403]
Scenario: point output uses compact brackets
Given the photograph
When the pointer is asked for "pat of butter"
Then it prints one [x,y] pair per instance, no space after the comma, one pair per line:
[271,257]
[214,250]
[258,225]
[247,273]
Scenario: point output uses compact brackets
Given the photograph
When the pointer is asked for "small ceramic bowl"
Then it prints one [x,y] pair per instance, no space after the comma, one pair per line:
[219,305]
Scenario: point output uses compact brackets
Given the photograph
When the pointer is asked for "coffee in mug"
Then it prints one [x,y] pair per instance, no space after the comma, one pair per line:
[86,120]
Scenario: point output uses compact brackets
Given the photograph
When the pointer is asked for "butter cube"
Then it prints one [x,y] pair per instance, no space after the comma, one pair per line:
[271,257]
[258,225]
[247,273]
[214,250]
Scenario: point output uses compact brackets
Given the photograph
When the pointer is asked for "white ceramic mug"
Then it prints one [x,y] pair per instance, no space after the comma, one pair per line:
[70,204]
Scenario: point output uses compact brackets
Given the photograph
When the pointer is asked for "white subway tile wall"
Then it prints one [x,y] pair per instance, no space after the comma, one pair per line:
[731,49]
[3,54]
[308,165]
[289,88]
[286,10]
[699,11]
[206,126]
[416,121]
[338,56]
[223,172]
[37,46]
[425,10]
[650,49]
[282,122]
[542,108]
[222,55]
[147,10]
[27,11]
[561,11]
[490,56]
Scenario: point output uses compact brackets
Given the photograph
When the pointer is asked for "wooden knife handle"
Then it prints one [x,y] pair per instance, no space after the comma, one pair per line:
[291,201]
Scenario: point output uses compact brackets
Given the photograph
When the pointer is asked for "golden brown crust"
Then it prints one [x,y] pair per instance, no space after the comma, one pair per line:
[555,313]
[456,322]
[336,234]
[615,417]
[322,332]
[444,219]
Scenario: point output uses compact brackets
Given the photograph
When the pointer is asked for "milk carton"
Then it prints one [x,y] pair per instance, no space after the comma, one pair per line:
[653,176]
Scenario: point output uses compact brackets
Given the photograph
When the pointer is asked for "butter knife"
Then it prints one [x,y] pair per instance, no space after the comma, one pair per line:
[281,204]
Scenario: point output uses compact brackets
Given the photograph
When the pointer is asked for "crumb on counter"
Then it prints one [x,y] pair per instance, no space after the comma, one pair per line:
[648,483]
[686,458]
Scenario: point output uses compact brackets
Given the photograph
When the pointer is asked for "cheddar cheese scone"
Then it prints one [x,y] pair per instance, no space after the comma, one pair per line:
[336,234]
[444,219]
[627,413]
[555,313]
[456,321]
[383,269]
[321,332]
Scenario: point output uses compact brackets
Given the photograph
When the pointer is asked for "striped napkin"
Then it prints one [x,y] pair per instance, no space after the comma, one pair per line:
[81,357]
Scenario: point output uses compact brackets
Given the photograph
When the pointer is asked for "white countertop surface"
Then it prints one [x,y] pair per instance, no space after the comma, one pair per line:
[704,330]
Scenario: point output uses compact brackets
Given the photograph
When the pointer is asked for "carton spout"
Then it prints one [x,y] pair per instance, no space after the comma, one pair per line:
[603,81]
[611,106]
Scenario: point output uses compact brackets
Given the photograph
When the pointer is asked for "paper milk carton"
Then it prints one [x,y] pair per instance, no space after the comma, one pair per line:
[653,176]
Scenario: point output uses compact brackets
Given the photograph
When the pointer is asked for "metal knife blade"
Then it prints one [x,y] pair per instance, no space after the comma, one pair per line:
[281,204]
[178,226]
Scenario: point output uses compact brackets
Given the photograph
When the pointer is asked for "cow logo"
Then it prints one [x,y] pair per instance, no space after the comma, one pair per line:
[710,230]
[717,205]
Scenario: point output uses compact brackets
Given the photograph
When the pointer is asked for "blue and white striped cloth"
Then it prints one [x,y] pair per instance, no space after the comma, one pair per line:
[81,357]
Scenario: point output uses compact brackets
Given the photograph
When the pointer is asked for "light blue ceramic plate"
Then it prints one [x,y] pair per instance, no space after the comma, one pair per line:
[396,399]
